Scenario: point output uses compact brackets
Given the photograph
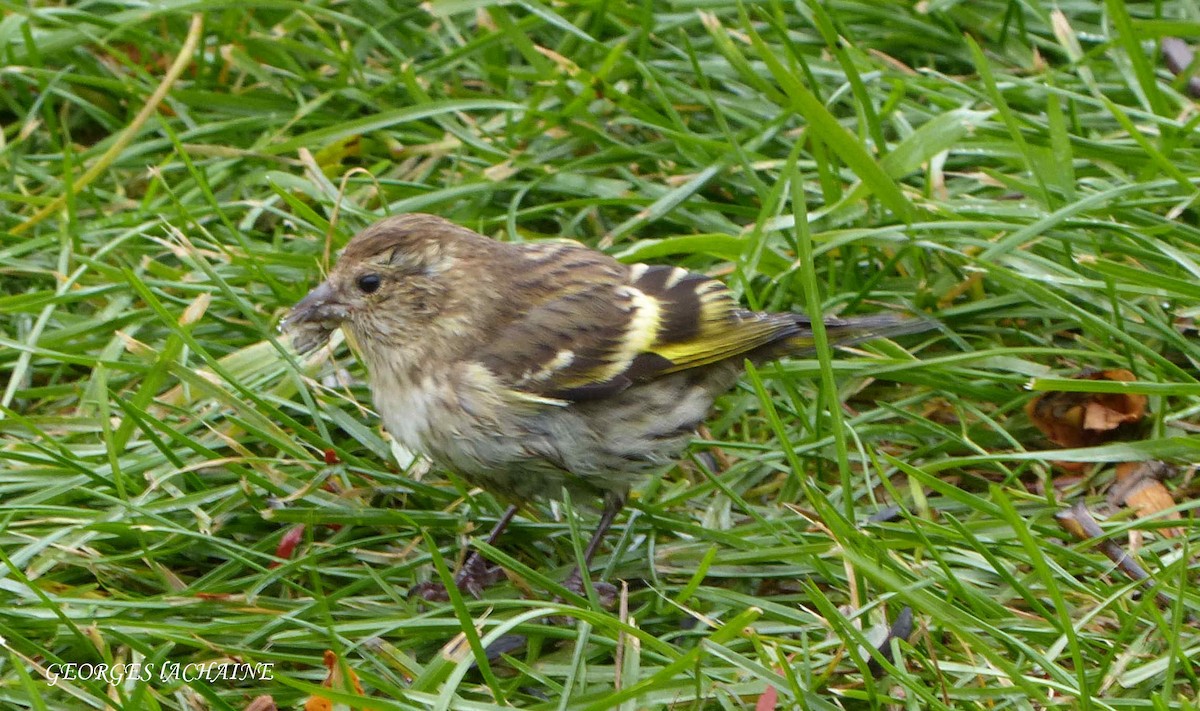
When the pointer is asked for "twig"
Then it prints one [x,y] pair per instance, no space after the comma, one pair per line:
[1078,521]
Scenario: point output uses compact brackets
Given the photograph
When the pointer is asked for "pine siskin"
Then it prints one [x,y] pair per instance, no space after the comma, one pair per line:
[534,368]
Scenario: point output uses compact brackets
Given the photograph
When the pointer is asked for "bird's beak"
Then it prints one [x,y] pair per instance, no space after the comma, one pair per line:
[315,317]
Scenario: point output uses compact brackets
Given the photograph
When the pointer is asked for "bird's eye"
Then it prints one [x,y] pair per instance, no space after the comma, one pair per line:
[369,283]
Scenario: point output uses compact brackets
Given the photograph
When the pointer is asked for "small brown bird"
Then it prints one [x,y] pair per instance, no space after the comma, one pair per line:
[534,368]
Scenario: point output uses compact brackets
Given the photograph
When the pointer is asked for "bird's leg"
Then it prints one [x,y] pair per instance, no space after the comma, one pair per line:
[475,573]
[574,582]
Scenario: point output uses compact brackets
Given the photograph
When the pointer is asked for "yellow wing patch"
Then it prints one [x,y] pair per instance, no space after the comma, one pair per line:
[697,321]
[609,328]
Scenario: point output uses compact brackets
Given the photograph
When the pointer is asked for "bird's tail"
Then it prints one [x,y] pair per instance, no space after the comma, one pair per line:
[856,329]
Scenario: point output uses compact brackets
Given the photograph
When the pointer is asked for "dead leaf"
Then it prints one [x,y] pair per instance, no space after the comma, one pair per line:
[1139,486]
[220,597]
[1087,419]
[334,680]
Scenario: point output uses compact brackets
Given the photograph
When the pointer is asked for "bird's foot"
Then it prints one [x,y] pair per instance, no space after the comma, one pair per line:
[606,593]
[474,576]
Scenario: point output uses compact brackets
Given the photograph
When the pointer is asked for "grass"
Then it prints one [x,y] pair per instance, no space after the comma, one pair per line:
[1025,171]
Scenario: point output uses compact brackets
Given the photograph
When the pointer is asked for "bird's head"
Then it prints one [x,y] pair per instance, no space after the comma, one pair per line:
[391,282]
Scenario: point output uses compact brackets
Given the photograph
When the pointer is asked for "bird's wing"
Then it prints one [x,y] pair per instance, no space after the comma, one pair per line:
[614,325]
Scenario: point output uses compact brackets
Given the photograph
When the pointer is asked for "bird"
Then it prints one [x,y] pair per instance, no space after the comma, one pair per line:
[534,368]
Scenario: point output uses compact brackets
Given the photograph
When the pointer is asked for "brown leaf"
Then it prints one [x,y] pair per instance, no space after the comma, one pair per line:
[1139,486]
[334,680]
[1087,419]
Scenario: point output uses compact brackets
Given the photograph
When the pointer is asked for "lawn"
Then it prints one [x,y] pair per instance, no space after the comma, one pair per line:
[181,492]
